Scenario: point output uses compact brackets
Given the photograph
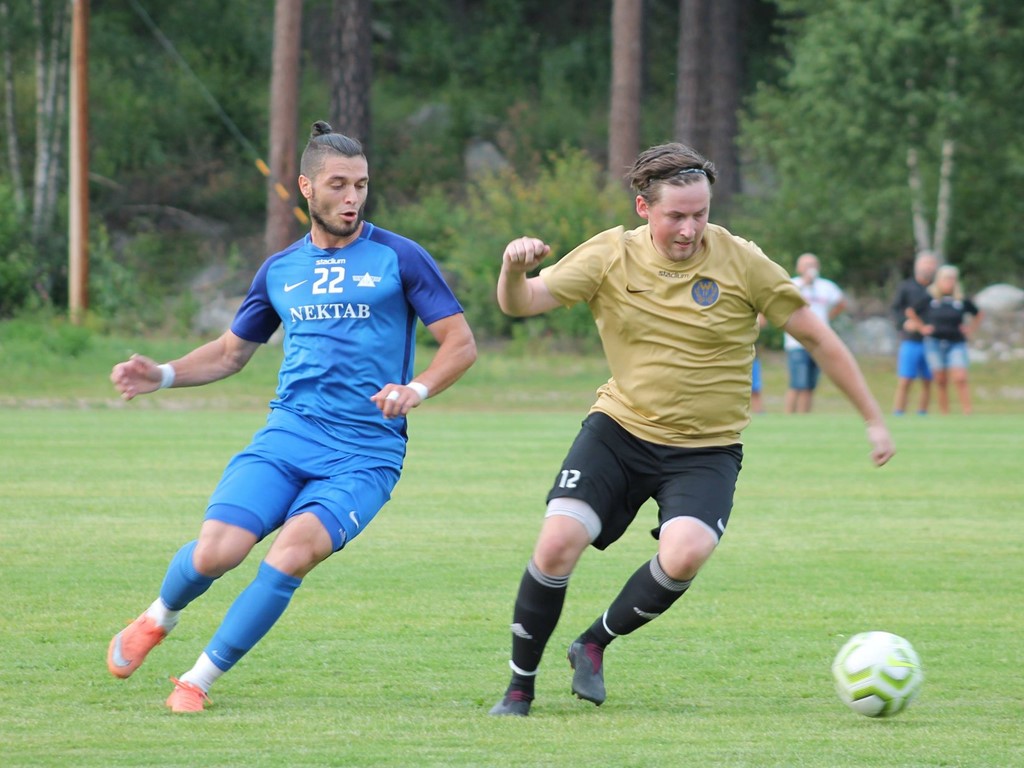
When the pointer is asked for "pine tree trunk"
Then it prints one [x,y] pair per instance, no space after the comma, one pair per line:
[692,116]
[624,113]
[282,223]
[725,98]
[351,68]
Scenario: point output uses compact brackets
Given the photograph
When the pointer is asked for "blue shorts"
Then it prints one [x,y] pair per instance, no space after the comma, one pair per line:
[911,362]
[281,474]
[803,371]
[755,376]
[942,354]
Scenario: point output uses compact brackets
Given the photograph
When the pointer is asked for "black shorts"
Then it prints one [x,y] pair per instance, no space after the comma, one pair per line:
[616,472]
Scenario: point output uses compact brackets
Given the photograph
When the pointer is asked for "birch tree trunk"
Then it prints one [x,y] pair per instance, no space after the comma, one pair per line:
[926,238]
[944,206]
[60,64]
[10,127]
[919,219]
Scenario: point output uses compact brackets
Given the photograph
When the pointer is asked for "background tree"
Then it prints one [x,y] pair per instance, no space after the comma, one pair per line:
[866,82]
[627,82]
[710,76]
[10,126]
[692,117]
[828,124]
[351,68]
[281,226]
[725,79]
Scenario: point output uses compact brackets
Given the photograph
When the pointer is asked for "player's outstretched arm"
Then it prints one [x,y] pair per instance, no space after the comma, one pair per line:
[519,296]
[838,363]
[212,361]
[456,352]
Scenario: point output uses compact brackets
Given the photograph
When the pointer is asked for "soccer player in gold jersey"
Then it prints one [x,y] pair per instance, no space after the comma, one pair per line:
[676,303]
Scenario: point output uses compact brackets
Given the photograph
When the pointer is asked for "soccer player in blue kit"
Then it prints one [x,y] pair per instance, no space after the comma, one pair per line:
[348,295]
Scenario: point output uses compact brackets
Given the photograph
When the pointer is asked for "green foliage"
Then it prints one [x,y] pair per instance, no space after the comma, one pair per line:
[825,132]
[143,283]
[569,202]
[526,75]
[35,339]
[866,80]
[16,267]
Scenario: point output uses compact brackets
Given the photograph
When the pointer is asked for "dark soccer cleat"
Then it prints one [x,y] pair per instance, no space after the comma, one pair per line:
[588,674]
[516,703]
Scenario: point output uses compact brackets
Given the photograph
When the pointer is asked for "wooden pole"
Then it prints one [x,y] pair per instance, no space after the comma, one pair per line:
[78,160]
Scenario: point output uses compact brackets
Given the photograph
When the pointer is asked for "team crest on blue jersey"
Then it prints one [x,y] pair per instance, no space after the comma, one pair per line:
[367,280]
[705,292]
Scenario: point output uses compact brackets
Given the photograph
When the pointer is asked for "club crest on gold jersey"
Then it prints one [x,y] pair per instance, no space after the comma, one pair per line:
[705,292]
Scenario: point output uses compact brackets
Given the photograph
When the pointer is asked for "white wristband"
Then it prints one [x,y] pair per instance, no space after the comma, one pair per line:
[166,375]
[420,389]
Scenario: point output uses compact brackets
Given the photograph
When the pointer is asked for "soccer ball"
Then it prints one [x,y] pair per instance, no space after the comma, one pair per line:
[877,674]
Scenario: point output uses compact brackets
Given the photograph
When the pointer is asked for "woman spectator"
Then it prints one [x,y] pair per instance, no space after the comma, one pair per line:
[942,320]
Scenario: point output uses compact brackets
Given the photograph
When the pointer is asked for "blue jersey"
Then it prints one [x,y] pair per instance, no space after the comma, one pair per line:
[349,317]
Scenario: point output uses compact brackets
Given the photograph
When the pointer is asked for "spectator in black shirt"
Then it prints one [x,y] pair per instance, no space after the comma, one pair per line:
[944,325]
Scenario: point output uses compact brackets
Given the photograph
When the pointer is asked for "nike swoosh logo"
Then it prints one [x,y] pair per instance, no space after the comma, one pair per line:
[721,525]
[293,286]
[638,290]
[116,656]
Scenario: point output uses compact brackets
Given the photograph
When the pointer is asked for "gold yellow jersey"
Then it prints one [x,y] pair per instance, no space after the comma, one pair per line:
[679,336]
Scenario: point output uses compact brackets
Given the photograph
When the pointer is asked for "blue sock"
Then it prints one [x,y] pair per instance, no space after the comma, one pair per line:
[252,615]
[183,583]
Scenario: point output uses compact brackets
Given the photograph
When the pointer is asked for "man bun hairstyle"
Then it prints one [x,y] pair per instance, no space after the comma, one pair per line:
[323,141]
[674,163]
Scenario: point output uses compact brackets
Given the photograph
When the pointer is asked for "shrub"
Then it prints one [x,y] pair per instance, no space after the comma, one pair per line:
[570,201]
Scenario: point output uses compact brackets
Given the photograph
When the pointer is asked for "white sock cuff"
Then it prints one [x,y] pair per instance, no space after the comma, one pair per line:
[604,623]
[165,618]
[203,674]
[522,672]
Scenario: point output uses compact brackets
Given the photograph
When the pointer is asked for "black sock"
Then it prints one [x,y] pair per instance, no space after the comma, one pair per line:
[538,607]
[646,595]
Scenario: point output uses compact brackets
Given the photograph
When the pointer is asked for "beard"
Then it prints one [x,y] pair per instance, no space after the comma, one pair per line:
[335,229]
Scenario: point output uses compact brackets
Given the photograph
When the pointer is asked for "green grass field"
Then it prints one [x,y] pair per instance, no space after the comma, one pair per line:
[392,651]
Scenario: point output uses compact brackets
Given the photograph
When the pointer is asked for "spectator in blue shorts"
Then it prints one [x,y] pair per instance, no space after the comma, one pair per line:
[348,295]
[756,387]
[943,321]
[827,302]
[911,363]
[756,399]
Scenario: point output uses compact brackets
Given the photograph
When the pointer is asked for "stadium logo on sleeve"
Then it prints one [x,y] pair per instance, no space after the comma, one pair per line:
[705,292]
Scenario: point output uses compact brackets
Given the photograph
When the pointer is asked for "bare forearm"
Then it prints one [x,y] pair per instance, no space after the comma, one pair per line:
[513,293]
[838,363]
[211,362]
[450,362]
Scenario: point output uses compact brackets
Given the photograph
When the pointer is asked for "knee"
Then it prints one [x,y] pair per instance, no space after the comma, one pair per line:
[683,549]
[682,565]
[556,553]
[215,556]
